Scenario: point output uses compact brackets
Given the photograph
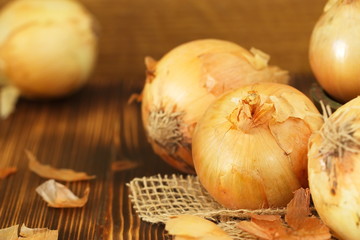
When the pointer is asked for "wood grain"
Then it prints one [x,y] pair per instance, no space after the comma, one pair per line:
[95,127]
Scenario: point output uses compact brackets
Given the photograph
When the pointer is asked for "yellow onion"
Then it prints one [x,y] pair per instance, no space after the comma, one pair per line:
[334,170]
[250,147]
[185,81]
[335,51]
[47,47]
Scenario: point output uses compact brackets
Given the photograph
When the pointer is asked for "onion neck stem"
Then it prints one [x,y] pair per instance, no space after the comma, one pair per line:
[250,113]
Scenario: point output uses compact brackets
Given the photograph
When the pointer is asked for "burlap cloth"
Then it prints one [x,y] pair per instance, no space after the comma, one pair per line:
[157,198]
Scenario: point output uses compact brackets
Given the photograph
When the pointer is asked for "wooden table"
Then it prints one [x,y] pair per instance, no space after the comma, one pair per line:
[95,127]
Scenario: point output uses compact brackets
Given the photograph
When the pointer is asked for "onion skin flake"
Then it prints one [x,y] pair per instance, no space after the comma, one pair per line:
[190,227]
[11,233]
[49,172]
[298,225]
[59,196]
[5,172]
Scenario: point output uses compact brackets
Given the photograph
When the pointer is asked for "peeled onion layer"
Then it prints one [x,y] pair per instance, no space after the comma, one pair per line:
[334,50]
[181,85]
[250,147]
[334,168]
[47,48]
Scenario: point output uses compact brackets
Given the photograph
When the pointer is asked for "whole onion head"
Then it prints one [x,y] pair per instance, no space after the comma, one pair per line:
[185,81]
[47,47]
[250,147]
[334,170]
[335,50]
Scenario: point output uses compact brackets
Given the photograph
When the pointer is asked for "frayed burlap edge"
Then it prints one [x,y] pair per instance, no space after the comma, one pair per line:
[155,199]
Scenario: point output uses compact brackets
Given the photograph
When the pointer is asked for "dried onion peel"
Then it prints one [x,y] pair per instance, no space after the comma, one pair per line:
[38,233]
[300,224]
[10,233]
[59,196]
[47,171]
[250,147]
[4,172]
[334,168]
[185,81]
[190,227]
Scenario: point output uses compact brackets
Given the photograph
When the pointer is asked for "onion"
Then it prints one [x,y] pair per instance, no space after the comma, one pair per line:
[250,147]
[334,169]
[185,81]
[335,51]
[47,48]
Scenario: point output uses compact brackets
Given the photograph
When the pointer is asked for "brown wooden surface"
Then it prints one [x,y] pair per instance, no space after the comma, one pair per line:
[95,127]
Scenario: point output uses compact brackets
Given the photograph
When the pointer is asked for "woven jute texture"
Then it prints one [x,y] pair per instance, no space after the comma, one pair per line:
[157,198]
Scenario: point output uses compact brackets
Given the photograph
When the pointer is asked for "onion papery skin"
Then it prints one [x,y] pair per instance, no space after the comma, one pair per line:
[334,50]
[334,170]
[259,159]
[181,85]
[48,49]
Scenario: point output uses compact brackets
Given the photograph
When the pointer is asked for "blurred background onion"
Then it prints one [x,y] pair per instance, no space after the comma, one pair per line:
[47,49]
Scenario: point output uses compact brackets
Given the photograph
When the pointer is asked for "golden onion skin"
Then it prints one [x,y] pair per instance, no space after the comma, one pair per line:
[334,50]
[255,157]
[181,85]
[334,171]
